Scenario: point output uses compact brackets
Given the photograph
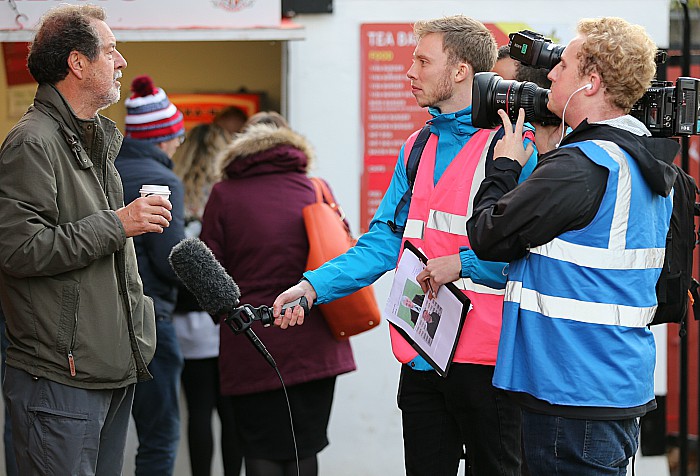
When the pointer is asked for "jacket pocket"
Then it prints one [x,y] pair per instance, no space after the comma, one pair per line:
[68,323]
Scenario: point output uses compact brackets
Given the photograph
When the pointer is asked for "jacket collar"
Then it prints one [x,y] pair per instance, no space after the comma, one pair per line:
[142,150]
[51,102]
[654,155]
[456,123]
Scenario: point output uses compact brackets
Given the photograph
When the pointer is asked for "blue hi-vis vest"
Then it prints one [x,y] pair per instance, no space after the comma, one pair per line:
[575,312]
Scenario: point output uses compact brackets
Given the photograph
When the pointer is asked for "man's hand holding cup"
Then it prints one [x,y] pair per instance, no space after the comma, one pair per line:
[149,213]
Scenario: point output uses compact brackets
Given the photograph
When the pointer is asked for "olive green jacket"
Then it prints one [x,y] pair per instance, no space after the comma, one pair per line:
[69,282]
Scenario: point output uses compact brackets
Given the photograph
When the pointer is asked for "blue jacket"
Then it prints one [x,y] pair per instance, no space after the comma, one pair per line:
[142,163]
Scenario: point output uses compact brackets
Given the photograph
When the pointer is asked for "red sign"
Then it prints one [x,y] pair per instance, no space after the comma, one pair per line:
[389,110]
[15,55]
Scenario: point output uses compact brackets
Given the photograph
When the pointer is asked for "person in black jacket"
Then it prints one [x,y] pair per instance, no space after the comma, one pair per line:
[154,130]
[585,237]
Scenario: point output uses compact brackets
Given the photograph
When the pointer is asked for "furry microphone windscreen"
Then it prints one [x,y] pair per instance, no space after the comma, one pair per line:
[200,271]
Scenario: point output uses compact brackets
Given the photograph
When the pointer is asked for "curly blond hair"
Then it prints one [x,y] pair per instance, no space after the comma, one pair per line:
[464,40]
[622,54]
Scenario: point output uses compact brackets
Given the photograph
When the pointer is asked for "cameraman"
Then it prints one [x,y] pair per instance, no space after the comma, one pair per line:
[585,235]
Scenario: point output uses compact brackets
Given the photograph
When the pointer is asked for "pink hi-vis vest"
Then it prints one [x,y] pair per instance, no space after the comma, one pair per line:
[436,225]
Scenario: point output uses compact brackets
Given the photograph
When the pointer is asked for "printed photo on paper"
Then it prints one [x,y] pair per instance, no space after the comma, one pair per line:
[431,325]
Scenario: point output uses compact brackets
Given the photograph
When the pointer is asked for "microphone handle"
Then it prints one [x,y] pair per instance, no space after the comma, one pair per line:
[260,346]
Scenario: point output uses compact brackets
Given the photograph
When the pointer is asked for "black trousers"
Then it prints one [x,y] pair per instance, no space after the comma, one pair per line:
[441,416]
[200,381]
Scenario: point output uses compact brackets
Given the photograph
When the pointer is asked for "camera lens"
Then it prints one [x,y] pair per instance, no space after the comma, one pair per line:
[490,93]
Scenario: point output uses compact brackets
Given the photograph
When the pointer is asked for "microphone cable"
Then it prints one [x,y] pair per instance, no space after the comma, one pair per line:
[291,420]
[257,343]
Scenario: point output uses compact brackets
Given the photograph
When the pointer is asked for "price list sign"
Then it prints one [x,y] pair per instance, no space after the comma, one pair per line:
[389,110]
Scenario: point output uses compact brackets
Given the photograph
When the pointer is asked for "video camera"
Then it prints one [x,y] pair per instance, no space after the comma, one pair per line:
[665,109]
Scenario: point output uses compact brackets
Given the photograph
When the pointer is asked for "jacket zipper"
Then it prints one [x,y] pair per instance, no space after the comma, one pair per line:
[71,359]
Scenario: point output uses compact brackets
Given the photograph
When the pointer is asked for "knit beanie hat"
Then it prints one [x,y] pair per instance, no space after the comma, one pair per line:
[150,116]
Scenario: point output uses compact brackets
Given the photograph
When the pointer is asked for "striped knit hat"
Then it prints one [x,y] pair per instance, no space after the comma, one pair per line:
[150,116]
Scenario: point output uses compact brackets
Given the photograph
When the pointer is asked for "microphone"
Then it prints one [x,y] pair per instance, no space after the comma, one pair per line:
[202,274]
[216,292]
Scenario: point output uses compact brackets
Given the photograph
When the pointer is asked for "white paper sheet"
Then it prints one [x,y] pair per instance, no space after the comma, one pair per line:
[432,326]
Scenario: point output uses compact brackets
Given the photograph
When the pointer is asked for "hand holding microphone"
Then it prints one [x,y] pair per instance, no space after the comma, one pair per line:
[217,293]
[281,307]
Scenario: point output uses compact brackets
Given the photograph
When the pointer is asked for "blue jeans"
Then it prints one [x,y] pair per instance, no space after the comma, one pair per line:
[564,446]
[156,406]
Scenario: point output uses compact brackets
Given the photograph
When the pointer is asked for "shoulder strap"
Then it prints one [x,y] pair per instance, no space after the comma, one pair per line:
[415,155]
[316,182]
[324,195]
[492,146]
[411,171]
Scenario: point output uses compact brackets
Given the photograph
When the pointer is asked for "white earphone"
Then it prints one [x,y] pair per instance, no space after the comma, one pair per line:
[563,122]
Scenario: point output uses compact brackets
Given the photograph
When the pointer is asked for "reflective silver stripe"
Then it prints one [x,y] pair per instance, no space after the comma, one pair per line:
[615,256]
[618,229]
[479,174]
[447,222]
[466,284]
[600,258]
[580,311]
[414,229]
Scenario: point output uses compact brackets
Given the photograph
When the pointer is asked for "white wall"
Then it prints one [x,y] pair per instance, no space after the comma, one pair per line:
[324,105]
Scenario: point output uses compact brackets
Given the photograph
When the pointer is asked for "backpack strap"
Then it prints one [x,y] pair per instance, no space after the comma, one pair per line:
[492,145]
[414,159]
[528,133]
[411,171]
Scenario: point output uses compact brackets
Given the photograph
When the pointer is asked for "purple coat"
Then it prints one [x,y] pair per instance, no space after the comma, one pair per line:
[253,224]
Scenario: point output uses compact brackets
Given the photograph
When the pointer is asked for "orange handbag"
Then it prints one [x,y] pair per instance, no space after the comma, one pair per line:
[329,236]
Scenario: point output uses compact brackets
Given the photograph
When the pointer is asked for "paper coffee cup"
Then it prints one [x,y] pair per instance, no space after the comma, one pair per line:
[148,190]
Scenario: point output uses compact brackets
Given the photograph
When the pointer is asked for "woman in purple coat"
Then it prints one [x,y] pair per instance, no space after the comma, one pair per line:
[253,224]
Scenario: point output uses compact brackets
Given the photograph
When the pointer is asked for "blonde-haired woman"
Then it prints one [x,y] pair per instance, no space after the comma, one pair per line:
[196,163]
